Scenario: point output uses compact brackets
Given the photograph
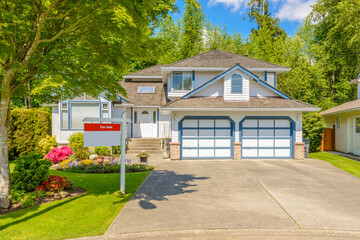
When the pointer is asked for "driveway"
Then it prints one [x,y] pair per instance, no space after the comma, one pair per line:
[274,194]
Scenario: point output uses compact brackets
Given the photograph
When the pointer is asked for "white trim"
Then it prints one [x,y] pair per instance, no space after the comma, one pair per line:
[123,105]
[144,106]
[135,77]
[245,109]
[51,105]
[223,69]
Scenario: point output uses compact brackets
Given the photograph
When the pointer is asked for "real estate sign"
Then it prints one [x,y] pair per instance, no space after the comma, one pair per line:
[101,134]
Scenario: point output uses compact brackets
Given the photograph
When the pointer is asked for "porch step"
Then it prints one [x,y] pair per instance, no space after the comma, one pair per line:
[149,145]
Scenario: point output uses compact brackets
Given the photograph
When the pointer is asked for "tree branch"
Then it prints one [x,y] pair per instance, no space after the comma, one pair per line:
[27,79]
[65,14]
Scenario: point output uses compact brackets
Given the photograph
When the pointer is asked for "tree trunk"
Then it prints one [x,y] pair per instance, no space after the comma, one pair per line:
[9,76]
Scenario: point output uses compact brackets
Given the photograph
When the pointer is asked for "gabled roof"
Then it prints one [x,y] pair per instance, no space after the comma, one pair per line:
[236,67]
[254,103]
[217,58]
[153,71]
[349,106]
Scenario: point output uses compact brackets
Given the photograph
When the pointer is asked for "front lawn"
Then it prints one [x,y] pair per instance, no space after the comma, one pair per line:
[341,162]
[84,215]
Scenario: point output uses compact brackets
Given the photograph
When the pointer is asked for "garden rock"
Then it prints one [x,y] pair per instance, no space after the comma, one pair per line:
[55,166]
[64,194]
[93,157]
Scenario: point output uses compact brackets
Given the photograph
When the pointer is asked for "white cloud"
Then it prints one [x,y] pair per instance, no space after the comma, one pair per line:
[294,10]
[288,10]
[235,5]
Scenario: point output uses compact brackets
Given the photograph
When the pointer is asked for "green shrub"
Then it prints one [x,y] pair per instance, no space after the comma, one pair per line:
[30,171]
[102,151]
[313,127]
[17,195]
[46,145]
[108,168]
[27,128]
[76,143]
[28,200]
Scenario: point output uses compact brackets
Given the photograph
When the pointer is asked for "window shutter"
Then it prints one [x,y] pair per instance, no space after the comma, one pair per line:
[236,83]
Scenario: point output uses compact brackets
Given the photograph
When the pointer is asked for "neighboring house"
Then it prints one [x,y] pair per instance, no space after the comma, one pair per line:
[345,120]
[215,105]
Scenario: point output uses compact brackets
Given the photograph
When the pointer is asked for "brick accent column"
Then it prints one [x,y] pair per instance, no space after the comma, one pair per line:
[299,150]
[237,151]
[175,151]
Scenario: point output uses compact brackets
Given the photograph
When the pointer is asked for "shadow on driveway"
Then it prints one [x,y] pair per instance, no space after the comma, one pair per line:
[163,183]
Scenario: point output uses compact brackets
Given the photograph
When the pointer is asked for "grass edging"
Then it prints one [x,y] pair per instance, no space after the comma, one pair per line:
[344,163]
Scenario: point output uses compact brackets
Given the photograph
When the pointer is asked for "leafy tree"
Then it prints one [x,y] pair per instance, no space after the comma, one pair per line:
[192,27]
[313,127]
[69,47]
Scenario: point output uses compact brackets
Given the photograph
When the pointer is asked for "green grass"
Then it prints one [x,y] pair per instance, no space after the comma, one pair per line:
[341,162]
[85,215]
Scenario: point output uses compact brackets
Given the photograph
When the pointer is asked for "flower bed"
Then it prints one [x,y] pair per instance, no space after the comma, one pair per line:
[88,166]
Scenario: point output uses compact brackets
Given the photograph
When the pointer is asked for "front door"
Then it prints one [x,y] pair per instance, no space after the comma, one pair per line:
[145,122]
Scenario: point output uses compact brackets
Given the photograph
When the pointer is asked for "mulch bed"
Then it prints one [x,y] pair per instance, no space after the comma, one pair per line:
[16,206]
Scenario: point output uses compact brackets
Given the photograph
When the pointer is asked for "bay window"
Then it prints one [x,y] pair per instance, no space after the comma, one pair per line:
[182,81]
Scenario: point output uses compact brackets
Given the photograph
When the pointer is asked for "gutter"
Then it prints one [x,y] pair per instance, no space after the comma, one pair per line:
[244,109]
[342,111]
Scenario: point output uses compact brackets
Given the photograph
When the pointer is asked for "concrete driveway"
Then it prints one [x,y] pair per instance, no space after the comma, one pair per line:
[275,194]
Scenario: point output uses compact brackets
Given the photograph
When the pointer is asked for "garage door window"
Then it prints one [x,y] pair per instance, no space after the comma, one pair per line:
[206,138]
[266,138]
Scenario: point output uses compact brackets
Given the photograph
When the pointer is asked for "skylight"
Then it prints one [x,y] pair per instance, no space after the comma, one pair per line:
[146,90]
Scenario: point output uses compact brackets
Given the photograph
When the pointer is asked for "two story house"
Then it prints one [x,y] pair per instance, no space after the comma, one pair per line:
[215,105]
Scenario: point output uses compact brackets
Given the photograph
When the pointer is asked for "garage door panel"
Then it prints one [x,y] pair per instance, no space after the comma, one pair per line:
[190,143]
[282,142]
[250,143]
[250,132]
[282,123]
[222,123]
[222,132]
[206,143]
[282,132]
[206,153]
[209,123]
[249,152]
[252,123]
[190,153]
[266,153]
[282,153]
[206,133]
[266,133]
[266,143]
[186,133]
[223,143]
[222,153]
[266,123]
[193,123]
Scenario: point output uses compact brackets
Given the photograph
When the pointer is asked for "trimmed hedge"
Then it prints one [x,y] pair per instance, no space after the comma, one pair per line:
[27,128]
[313,127]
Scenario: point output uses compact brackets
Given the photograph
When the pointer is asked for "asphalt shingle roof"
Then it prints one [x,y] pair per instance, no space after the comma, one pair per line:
[254,102]
[346,106]
[144,99]
[150,71]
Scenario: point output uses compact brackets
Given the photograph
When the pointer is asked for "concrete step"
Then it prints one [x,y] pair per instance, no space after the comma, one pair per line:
[146,148]
[132,144]
[138,152]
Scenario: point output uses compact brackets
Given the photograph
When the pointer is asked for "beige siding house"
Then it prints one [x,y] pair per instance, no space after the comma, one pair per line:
[345,119]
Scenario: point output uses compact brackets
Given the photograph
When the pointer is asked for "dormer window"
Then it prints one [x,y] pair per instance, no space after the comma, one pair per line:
[182,81]
[236,83]
[270,78]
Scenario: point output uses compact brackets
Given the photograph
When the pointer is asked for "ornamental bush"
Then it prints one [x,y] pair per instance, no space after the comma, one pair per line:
[313,127]
[30,170]
[54,183]
[46,145]
[102,151]
[27,128]
[76,142]
[59,154]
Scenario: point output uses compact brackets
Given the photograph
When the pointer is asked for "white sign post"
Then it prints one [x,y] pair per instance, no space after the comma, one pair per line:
[108,134]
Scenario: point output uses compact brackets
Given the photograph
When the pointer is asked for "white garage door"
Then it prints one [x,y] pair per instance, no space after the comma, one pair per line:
[205,138]
[266,138]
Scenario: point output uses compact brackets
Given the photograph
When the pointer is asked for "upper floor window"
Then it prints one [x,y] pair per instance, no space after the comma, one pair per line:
[271,78]
[236,83]
[182,81]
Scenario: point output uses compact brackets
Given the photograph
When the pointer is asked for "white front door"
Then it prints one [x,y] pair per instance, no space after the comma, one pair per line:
[145,121]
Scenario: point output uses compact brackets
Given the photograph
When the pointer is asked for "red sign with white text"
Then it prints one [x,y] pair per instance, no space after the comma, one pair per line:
[101,127]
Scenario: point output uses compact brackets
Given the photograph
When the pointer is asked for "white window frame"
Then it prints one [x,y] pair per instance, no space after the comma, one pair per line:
[337,122]
[182,82]
[241,80]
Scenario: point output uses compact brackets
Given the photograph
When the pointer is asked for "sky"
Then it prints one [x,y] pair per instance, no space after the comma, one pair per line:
[231,13]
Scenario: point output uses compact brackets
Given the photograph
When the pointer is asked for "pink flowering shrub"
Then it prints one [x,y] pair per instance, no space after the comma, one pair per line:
[59,154]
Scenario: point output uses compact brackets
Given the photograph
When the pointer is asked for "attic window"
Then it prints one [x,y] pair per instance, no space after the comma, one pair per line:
[146,90]
[236,83]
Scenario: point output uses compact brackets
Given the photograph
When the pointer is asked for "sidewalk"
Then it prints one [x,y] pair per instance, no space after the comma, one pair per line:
[351,156]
